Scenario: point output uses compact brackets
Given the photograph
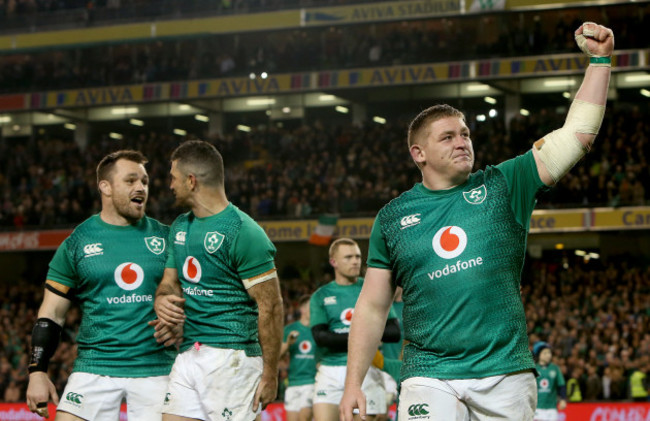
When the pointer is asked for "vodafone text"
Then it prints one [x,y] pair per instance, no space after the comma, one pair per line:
[197,291]
[457,267]
[126,299]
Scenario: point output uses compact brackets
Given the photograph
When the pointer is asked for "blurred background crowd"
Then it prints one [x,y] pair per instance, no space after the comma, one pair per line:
[341,47]
[313,169]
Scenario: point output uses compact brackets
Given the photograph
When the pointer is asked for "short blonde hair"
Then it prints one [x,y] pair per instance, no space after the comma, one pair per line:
[340,242]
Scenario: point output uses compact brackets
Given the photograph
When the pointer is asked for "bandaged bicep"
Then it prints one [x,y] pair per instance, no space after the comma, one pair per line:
[561,149]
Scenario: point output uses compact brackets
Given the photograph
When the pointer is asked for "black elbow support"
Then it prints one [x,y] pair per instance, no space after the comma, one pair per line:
[45,339]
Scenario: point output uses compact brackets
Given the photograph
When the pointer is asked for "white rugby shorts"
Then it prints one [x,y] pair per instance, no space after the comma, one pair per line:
[330,383]
[98,398]
[213,384]
[504,397]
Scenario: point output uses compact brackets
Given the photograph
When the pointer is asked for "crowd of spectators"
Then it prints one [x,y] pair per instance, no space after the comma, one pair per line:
[321,48]
[595,314]
[280,173]
[16,15]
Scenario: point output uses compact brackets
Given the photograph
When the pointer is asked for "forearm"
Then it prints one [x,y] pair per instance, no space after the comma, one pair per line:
[270,324]
[365,334]
[595,85]
[169,287]
[325,338]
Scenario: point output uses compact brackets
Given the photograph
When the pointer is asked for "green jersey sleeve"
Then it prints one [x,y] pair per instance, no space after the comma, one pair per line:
[378,256]
[523,185]
[62,270]
[560,378]
[287,330]
[253,253]
[171,254]
[317,314]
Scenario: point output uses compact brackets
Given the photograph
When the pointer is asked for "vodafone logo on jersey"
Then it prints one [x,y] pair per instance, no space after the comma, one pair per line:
[449,242]
[129,276]
[544,384]
[304,347]
[192,269]
[346,316]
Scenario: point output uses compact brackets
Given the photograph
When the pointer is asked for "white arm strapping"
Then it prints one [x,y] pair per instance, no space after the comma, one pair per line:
[560,150]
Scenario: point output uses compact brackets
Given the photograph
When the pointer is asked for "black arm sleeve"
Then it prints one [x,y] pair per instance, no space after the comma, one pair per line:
[391,331]
[561,390]
[45,339]
[335,342]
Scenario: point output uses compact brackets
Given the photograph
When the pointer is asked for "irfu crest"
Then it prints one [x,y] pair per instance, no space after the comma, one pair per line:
[476,196]
[155,244]
[213,241]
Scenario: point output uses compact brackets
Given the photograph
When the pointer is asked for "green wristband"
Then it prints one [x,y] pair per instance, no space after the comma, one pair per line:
[600,61]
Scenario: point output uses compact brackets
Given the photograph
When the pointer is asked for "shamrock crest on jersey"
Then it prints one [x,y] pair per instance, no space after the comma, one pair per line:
[212,241]
[156,245]
[476,196]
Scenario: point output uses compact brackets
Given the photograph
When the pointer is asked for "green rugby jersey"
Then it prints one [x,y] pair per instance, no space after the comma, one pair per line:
[458,254]
[333,305]
[214,257]
[113,271]
[302,361]
[549,380]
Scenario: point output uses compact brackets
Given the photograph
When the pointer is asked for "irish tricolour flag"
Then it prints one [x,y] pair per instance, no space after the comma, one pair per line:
[324,230]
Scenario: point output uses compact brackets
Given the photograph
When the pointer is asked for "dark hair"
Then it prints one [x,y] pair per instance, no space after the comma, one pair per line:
[107,164]
[304,299]
[430,115]
[201,159]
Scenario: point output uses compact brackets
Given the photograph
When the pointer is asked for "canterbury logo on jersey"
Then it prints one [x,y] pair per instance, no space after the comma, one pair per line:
[328,301]
[418,409]
[94,249]
[74,398]
[409,221]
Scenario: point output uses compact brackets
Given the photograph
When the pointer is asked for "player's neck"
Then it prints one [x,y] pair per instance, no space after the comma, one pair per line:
[111,217]
[304,321]
[344,280]
[205,205]
[436,182]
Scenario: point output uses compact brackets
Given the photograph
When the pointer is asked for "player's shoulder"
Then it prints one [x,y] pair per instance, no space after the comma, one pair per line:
[323,289]
[155,225]
[89,227]
[245,219]
[291,326]
[182,219]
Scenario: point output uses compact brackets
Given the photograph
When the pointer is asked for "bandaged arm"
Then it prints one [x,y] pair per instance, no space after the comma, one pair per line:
[557,152]
[47,329]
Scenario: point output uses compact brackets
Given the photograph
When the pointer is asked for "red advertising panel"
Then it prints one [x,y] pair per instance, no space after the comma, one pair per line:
[603,411]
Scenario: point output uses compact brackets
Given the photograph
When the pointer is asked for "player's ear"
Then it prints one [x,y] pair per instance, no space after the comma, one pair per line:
[417,154]
[192,181]
[105,188]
